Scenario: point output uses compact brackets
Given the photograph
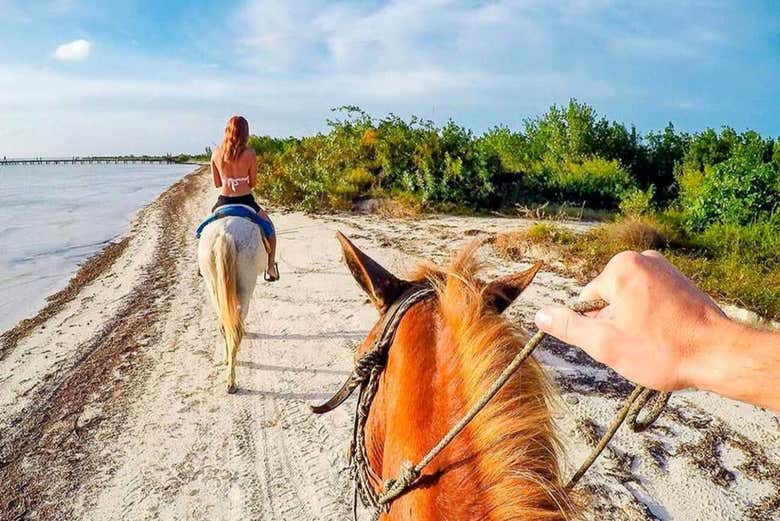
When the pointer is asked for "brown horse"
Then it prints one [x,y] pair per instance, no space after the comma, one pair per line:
[446,352]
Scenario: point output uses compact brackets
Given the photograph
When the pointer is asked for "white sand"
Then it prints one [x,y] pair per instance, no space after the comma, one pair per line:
[160,439]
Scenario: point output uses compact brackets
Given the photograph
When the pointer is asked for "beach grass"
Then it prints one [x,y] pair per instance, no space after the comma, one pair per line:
[732,271]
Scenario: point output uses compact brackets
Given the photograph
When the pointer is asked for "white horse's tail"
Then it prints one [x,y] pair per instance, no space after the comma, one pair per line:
[224,281]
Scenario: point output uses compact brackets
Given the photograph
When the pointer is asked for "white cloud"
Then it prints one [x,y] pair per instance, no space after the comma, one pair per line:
[338,36]
[77,50]
[481,63]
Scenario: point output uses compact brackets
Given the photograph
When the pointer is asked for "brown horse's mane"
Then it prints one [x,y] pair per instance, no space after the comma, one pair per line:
[512,441]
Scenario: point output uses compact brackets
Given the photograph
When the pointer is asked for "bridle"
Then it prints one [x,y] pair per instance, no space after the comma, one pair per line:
[366,375]
[369,368]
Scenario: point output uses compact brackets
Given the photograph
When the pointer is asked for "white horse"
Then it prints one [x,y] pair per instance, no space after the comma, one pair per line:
[231,254]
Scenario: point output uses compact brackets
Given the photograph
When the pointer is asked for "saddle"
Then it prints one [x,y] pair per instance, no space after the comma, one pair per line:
[238,210]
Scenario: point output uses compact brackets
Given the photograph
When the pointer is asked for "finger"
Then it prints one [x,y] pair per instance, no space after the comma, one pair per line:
[571,327]
[620,268]
[593,290]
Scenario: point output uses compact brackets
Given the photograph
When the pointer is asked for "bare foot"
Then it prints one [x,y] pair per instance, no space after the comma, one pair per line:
[272,272]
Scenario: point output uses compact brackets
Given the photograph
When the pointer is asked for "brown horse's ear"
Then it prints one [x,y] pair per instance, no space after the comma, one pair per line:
[381,286]
[500,293]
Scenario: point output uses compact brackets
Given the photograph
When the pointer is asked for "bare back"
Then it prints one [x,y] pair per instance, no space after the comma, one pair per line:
[237,177]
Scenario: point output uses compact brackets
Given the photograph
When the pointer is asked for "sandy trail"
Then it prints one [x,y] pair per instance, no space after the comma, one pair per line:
[112,405]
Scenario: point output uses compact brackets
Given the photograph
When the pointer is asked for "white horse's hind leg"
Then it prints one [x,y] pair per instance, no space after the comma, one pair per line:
[231,368]
[246,280]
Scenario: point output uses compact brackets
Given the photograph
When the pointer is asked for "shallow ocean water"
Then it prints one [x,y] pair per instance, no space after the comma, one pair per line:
[54,217]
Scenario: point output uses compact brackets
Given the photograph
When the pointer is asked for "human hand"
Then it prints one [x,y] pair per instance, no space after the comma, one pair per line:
[655,327]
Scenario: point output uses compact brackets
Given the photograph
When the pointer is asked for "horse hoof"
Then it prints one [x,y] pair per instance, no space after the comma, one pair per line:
[231,388]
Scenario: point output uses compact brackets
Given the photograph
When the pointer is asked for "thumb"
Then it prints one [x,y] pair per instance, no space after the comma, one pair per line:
[570,327]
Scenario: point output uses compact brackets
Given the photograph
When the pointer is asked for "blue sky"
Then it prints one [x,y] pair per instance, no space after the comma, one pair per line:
[95,77]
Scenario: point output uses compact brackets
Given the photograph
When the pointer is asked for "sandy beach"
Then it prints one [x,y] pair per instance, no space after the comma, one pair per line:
[112,404]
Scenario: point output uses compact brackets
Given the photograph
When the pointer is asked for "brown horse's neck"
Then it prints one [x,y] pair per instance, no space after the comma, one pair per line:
[503,465]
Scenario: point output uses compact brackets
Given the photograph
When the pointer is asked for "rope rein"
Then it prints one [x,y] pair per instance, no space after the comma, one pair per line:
[366,374]
[370,366]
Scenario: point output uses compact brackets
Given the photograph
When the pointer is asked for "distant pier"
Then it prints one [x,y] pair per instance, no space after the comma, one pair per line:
[89,160]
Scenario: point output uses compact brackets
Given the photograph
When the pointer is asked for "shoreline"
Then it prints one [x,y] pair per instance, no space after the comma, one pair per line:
[87,272]
[98,367]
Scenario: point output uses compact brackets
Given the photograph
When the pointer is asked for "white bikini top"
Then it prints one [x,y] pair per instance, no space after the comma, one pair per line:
[233,182]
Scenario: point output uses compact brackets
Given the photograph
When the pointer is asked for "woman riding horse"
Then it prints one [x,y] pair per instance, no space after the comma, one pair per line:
[234,169]
[231,251]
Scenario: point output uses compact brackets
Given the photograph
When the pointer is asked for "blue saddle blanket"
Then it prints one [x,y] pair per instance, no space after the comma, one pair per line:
[237,210]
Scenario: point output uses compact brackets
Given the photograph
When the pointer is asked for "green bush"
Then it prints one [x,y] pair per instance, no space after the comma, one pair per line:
[595,182]
[776,155]
[265,145]
[503,150]
[738,191]
[636,202]
[657,161]
[758,243]
[569,155]
[348,186]
[309,175]
[563,133]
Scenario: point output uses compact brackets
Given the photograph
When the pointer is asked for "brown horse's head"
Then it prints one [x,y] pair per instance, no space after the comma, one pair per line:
[447,351]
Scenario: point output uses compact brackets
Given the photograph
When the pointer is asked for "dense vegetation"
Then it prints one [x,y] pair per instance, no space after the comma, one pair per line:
[568,154]
[711,196]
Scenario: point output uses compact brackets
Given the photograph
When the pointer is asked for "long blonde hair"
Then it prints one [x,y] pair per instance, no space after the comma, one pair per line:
[235,140]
